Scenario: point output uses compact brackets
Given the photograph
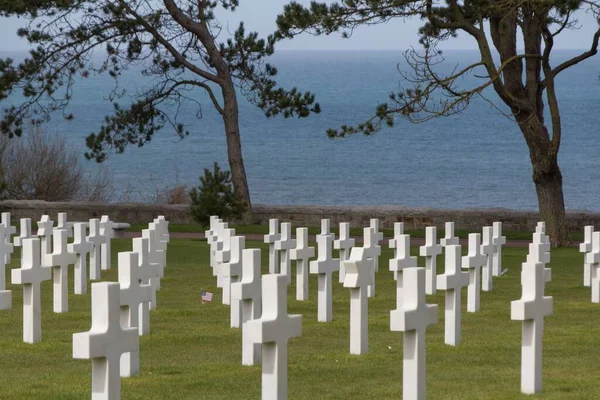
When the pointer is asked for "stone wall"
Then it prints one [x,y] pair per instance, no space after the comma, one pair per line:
[413,218]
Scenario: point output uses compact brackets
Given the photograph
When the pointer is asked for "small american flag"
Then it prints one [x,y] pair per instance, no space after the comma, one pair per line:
[206,296]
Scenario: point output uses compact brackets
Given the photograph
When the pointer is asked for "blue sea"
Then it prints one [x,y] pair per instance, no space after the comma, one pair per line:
[475,159]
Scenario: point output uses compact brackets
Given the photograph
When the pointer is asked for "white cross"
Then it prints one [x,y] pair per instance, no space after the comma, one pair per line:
[31,275]
[474,261]
[593,259]
[45,234]
[81,247]
[210,236]
[147,272]
[224,252]
[62,224]
[373,252]
[273,330]
[248,291]
[344,244]
[498,241]
[232,273]
[358,278]
[216,245]
[586,247]
[430,251]
[284,245]
[449,238]
[59,260]
[539,252]
[105,342]
[163,227]
[96,239]
[10,230]
[398,230]
[452,281]
[155,258]
[302,253]
[541,228]
[223,256]
[374,224]
[5,249]
[132,294]
[399,263]
[326,228]
[324,266]
[25,233]
[413,319]
[488,249]
[271,238]
[106,230]
[531,309]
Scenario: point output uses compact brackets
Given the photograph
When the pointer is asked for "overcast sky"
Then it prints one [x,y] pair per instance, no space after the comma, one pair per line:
[394,35]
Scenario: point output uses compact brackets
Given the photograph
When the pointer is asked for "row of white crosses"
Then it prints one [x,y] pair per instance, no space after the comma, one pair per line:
[591,267]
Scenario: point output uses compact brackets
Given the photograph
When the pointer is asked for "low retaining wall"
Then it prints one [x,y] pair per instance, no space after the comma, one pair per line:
[413,218]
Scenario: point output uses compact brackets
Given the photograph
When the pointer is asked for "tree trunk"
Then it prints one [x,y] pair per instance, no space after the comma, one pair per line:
[547,178]
[234,149]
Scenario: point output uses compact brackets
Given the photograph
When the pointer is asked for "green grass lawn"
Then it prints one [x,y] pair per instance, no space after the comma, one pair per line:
[192,353]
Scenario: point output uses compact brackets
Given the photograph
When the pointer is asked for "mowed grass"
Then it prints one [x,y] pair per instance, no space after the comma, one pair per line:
[192,353]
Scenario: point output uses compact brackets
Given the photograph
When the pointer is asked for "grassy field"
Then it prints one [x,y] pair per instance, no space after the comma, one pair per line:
[192,353]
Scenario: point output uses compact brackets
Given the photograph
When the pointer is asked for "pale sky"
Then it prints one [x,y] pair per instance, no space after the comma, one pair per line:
[396,35]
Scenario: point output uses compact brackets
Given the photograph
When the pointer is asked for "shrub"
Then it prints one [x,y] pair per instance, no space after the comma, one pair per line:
[215,196]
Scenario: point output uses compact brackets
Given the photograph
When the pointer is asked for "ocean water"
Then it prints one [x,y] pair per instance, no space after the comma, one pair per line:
[476,159]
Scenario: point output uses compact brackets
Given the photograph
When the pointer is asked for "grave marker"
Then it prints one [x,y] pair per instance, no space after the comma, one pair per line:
[162,225]
[452,281]
[24,233]
[398,230]
[156,258]
[531,309]
[593,259]
[284,245]
[430,251]
[358,278]
[474,261]
[373,252]
[106,230]
[273,330]
[59,260]
[302,253]
[45,234]
[31,275]
[224,256]
[232,273]
[488,249]
[62,224]
[586,247]
[498,241]
[248,291]
[413,319]
[539,252]
[210,236]
[271,238]
[5,295]
[374,224]
[449,239]
[146,272]
[105,342]
[96,240]
[399,263]
[132,294]
[80,247]
[10,230]
[324,266]
[344,244]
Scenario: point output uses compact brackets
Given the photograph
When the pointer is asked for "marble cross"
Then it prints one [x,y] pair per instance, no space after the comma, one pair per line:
[5,295]
[541,229]
[24,233]
[358,277]
[374,224]
[344,244]
[156,258]
[10,230]
[584,248]
[593,259]
[45,234]
[271,238]
[232,273]
[302,253]
[488,249]
[531,309]
[324,266]
[59,260]
[31,275]
[106,341]
[539,252]
[449,238]
[210,236]
[413,319]
[474,261]
[223,256]
[430,251]
[61,223]
[399,263]
[132,294]
[326,228]
[95,239]
[398,230]
[373,252]
[80,247]
[147,272]
[162,225]
[498,241]
[248,291]
[284,245]
[106,230]
[452,281]
[216,245]
[273,330]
